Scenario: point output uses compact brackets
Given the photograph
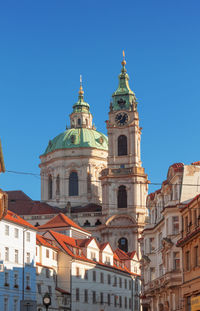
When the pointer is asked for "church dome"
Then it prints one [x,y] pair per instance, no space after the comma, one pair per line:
[78,138]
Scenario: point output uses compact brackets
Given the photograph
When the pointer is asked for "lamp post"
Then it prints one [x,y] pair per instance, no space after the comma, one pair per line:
[47,300]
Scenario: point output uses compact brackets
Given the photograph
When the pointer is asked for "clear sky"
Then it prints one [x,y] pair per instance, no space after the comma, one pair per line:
[46,45]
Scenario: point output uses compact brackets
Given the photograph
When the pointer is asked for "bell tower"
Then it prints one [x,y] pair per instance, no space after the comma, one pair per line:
[124,182]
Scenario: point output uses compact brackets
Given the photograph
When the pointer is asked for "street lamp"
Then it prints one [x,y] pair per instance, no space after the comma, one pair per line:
[47,301]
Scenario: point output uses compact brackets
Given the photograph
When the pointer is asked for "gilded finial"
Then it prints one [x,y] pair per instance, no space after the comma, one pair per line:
[123,62]
[81,88]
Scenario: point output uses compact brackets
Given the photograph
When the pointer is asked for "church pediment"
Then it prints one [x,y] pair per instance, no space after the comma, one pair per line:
[120,221]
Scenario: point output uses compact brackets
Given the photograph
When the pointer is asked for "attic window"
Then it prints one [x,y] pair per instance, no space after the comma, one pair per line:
[12,200]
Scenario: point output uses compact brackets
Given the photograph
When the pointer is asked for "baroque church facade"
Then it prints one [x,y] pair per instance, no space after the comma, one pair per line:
[100,180]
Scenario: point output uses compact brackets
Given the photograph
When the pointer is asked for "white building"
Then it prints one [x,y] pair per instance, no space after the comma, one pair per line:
[162,259]
[17,262]
[95,275]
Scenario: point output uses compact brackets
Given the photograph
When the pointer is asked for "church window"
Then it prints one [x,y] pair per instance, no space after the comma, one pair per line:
[73,184]
[89,183]
[58,185]
[122,197]
[122,145]
[97,223]
[86,223]
[50,187]
[79,122]
[86,122]
[123,244]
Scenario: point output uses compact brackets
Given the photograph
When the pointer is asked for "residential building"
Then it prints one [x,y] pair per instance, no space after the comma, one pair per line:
[161,262]
[17,261]
[97,277]
[190,244]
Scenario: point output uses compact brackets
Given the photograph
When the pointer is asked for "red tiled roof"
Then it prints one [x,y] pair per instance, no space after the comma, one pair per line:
[196,163]
[103,245]
[84,242]
[121,254]
[10,216]
[43,241]
[177,166]
[132,254]
[61,220]
[21,204]
[151,195]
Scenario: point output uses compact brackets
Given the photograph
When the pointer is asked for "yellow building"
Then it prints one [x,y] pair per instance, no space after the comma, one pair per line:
[3,195]
[190,244]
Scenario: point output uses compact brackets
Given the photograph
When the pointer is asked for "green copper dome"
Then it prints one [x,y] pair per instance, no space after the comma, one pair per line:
[78,138]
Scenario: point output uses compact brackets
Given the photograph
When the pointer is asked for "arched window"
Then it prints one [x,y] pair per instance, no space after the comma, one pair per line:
[58,185]
[122,145]
[89,188]
[122,197]
[79,122]
[98,222]
[123,244]
[50,187]
[86,224]
[73,184]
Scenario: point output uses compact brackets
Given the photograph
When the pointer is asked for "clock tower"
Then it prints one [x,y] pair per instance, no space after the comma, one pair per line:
[124,182]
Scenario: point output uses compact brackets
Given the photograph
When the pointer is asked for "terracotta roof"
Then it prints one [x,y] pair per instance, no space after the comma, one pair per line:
[43,241]
[121,254]
[151,195]
[20,203]
[177,166]
[196,163]
[87,208]
[131,254]
[60,221]
[84,242]
[103,245]
[10,216]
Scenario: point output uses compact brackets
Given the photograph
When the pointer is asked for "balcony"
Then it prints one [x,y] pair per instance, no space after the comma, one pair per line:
[108,172]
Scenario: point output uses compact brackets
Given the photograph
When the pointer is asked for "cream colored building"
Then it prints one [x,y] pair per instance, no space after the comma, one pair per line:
[162,259]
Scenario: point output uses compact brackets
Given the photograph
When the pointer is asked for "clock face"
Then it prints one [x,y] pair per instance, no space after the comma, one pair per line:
[121,118]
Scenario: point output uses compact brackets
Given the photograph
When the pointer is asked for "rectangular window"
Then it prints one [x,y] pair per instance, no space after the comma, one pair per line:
[160,240]
[152,273]
[175,225]
[187,260]
[5,303]
[115,301]
[6,253]
[86,275]
[16,256]
[86,295]
[130,303]
[151,245]
[93,256]
[6,230]
[196,256]
[27,281]
[6,279]
[94,297]
[136,285]
[125,283]
[28,258]
[16,233]
[28,236]
[130,287]
[102,277]
[161,270]
[94,276]
[77,294]
[49,290]
[107,260]
[115,281]
[120,301]
[108,299]
[120,282]
[176,260]
[16,280]
[195,219]
[186,224]
[47,273]
[101,298]
[109,279]
[125,302]
[47,253]
[15,304]
[77,272]
[39,288]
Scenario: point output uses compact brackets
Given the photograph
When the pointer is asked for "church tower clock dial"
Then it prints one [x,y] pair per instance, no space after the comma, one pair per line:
[124,182]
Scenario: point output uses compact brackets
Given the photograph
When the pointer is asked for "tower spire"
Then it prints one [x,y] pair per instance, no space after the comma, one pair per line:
[81,92]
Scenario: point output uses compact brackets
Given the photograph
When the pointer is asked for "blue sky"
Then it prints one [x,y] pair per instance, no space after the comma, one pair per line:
[46,45]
